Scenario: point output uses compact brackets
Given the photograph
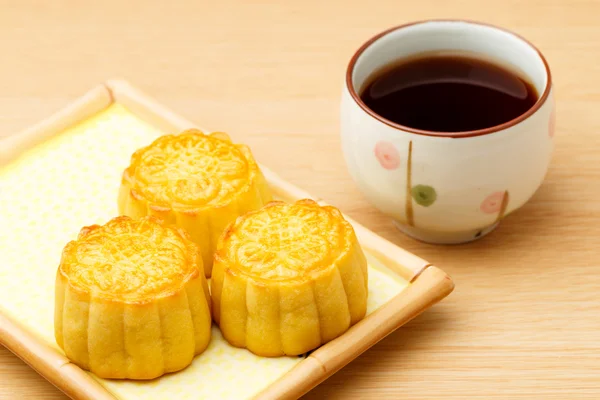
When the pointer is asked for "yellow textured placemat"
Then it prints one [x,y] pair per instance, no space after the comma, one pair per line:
[54,189]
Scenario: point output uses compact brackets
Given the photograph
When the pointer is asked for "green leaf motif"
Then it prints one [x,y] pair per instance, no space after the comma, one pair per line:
[423,195]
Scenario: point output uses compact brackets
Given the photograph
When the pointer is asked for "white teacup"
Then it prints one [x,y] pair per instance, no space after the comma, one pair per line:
[447,187]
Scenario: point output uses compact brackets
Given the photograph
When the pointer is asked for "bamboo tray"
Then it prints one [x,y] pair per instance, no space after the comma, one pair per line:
[64,173]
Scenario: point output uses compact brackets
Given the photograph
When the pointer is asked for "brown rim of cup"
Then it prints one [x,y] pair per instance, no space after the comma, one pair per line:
[479,132]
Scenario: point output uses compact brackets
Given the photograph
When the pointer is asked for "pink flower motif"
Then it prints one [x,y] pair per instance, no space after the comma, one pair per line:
[387,155]
[551,123]
[493,203]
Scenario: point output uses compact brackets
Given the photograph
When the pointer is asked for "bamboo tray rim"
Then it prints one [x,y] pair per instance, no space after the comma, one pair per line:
[428,284]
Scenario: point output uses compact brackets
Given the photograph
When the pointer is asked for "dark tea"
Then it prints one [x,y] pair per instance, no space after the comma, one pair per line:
[448,93]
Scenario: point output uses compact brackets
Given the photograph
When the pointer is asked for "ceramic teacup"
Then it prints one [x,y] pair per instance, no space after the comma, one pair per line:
[442,187]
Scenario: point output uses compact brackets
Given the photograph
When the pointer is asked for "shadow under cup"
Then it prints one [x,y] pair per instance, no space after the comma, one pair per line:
[447,187]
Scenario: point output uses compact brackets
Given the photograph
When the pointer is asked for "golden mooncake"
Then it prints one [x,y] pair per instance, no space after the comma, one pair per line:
[288,278]
[198,182]
[131,299]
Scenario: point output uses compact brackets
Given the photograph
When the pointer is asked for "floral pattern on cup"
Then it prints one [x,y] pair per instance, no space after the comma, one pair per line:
[493,203]
[387,155]
[423,195]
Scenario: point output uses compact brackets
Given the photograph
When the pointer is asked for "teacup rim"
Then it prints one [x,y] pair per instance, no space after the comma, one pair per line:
[456,135]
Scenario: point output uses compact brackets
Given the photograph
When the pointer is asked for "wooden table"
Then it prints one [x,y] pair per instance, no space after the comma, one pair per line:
[524,319]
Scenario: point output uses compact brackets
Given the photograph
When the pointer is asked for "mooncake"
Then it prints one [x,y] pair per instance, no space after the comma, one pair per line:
[198,182]
[131,299]
[288,278]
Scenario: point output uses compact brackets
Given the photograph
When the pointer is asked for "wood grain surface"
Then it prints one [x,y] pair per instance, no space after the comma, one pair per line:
[523,320]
